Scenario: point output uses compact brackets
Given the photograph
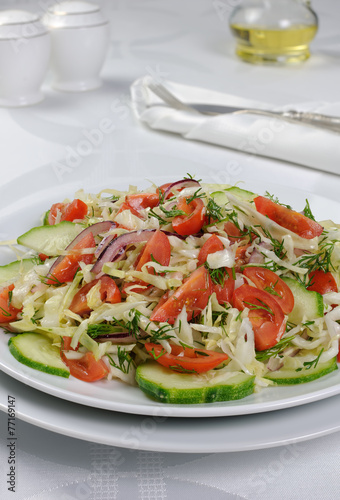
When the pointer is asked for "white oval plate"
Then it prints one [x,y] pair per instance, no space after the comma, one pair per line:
[22,205]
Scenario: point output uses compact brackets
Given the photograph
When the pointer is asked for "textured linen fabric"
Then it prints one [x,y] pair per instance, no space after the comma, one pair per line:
[55,467]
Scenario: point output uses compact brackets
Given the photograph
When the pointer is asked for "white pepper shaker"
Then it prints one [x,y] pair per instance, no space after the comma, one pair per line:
[79,37]
[24,58]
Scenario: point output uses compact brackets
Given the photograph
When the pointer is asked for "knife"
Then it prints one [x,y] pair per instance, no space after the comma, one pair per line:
[326,122]
[315,119]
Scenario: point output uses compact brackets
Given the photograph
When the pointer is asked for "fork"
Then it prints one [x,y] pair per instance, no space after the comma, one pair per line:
[307,118]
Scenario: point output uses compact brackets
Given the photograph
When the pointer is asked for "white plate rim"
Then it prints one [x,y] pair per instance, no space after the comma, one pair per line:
[228,434]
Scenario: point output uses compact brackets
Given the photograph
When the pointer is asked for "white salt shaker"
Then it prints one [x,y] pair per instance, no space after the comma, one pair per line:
[24,58]
[80,37]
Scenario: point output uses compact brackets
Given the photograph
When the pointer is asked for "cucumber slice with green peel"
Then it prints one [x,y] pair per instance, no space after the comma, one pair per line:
[290,377]
[11,271]
[221,197]
[243,194]
[308,305]
[45,218]
[37,351]
[50,240]
[167,386]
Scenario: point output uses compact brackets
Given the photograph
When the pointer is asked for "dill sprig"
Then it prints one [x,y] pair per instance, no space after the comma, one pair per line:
[163,333]
[124,360]
[261,306]
[196,195]
[275,350]
[307,211]
[307,365]
[276,200]
[214,211]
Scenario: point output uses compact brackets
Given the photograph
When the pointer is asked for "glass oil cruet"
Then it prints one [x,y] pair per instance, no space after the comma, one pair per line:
[273,31]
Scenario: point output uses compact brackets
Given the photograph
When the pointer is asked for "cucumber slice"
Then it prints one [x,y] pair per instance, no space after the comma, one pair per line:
[50,240]
[285,377]
[167,386]
[37,351]
[221,197]
[11,271]
[45,218]
[242,193]
[308,305]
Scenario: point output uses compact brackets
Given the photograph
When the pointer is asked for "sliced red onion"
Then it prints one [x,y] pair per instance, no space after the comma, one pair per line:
[105,242]
[117,338]
[95,229]
[179,236]
[256,256]
[121,337]
[184,183]
[116,248]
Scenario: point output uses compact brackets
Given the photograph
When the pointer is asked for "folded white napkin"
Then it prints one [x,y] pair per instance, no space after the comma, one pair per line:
[276,138]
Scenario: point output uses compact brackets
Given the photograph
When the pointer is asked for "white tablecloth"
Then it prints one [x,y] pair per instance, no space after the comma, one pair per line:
[188,42]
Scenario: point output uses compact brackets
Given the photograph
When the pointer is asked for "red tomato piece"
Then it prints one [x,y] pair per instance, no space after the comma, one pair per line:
[76,210]
[139,286]
[265,315]
[285,217]
[193,221]
[186,359]
[126,206]
[193,294]
[54,212]
[109,292]
[86,368]
[212,245]
[66,269]
[66,344]
[322,282]
[7,311]
[233,232]
[224,293]
[267,280]
[142,200]
[43,257]
[164,187]
[158,247]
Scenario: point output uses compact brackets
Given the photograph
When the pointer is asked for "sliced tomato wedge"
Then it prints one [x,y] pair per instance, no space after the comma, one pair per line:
[265,314]
[193,294]
[322,282]
[157,248]
[109,292]
[267,280]
[7,311]
[193,221]
[66,344]
[76,210]
[126,206]
[224,292]
[142,200]
[233,232]
[86,368]
[186,360]
[287,218]
[212,245]
[66,269]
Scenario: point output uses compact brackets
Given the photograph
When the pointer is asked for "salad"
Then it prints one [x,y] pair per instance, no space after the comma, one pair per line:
[194,292]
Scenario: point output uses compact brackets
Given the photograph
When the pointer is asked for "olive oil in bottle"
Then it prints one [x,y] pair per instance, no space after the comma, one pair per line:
[273,31]
[261,44]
